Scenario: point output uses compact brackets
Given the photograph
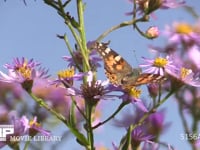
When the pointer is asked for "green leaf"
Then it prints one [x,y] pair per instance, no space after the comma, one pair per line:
[80,137]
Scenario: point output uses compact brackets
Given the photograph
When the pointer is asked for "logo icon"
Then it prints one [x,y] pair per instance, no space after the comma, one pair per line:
[5,130]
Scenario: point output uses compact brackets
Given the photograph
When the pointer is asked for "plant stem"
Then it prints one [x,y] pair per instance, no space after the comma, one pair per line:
[43,104]
[80,9]
[112,116]
[26,145]
[123,24]
[152,110]
[89,126]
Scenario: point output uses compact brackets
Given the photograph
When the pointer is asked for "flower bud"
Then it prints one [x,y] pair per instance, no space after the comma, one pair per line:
[153,5]
[152,32]
[153,89]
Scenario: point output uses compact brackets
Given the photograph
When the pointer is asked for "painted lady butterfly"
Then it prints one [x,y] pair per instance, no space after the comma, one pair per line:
[119,72]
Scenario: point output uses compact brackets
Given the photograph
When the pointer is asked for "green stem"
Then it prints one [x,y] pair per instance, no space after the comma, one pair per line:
[27,145]
[112,116]
[89,127]
[43,104]
[79,109]
[84,51]
[123,24]
[68,23]
[159,92]
[152,110]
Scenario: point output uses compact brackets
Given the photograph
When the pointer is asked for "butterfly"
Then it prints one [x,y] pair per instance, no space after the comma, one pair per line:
[120,73]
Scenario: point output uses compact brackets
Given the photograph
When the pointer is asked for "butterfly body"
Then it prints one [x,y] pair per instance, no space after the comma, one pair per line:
[119,72]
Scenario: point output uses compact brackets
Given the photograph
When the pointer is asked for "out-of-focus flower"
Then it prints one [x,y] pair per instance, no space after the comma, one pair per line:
[149,6]
[186,76]
[153,89]
[155,123]
[57,98]
[152,32]
[197,143]
[139,135]
[134,97]
[32,127]
[77,60]
[14,90]
[152,127]
[166,4]
[23,72]
[194,57]
[3,114]
[182,33]
[160,66]
[22,126]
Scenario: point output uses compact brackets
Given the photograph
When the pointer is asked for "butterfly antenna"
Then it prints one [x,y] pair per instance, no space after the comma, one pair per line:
[134,52]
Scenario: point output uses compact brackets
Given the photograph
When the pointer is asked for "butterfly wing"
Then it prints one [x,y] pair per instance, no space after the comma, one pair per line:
[119,72]
[115,66]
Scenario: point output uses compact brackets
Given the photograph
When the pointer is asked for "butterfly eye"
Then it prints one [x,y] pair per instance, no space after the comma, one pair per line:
[124,80]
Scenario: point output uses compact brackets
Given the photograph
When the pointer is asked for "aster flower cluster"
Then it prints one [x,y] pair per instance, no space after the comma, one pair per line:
[180,62]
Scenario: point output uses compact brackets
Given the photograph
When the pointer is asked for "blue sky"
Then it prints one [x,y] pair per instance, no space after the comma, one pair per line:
[30,31]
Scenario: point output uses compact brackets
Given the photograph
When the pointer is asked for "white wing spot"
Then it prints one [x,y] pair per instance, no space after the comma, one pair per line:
[103,54]
[107,50]
[117,58]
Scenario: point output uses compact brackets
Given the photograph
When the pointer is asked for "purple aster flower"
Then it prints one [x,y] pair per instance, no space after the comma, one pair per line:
[68,76]
[187,76]
[182,33]
[148,6]
[197,143]
[19,130]
[152,127]
[13,89]
[194,57]
[23,63]
[77,59]
[160,66]
[23,72]
[139,135]
[155,123]
[134,97]
[166,4]
[32,127]
[93,91]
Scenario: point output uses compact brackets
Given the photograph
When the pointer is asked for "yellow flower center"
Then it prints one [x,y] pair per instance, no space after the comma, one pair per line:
[135,92]
[185,72]
[68,73]
[160,62]
[184,28]
[25,71]
[32,122]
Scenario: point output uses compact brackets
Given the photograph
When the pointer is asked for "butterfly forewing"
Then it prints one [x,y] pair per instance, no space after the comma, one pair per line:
[115,66]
